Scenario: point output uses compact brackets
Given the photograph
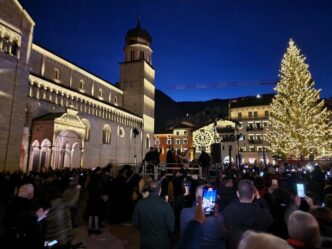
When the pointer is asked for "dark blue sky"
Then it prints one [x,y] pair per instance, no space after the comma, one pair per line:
[194,41]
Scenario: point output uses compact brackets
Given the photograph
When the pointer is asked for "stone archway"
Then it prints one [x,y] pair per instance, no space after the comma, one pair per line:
[45,154]
[76,155]
[35,155]
[67,150]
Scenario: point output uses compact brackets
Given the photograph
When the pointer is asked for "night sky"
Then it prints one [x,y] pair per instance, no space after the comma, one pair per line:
[198,44]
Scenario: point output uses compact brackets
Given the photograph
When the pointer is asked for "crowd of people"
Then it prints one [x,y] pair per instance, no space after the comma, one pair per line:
[255,207]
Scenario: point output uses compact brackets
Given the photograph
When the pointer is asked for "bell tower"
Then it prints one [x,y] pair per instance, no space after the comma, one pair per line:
[137,79]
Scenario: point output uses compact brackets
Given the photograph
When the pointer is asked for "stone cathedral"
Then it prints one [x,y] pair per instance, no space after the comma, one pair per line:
[54,113]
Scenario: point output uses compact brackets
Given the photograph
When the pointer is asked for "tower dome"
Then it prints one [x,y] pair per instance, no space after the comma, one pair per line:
[138,35]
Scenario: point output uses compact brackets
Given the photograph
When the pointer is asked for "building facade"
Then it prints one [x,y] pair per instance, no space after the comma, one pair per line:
[252,116]
[218,139]
[56,114]
[179,138]
[241,138]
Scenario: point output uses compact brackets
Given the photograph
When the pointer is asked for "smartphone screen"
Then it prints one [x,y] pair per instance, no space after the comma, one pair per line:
[300,190]
[209,200]
[187,188]
[52,243]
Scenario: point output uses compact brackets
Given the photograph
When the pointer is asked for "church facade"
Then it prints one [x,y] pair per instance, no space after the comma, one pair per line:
[56,114]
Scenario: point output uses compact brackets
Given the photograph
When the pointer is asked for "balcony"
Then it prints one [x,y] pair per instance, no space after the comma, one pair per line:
[225,130]
[255,141]
[255,128]
[228,139]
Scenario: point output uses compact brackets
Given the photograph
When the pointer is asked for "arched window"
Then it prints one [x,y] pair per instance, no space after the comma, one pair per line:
[142,55]
[6,45]
[56,74]
[100,93]
[116,100]
[14,48]
[82,85]
[147,141]
[132,55]
[107,132]
[87,129]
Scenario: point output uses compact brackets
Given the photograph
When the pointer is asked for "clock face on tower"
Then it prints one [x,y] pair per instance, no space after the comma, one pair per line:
[203,138]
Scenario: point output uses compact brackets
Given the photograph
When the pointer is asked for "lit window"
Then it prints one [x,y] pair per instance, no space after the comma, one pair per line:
[107,134]
[82,85]
[15,48]
[56,74]
[87,129]
[6,45]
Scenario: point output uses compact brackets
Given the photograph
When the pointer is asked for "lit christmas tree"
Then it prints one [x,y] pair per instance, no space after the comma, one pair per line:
[299,126]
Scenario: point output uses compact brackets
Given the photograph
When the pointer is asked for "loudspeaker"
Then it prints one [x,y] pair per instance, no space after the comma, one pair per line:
[216,153]
[136,132]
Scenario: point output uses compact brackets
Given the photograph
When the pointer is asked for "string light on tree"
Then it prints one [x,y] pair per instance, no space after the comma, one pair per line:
[299,125]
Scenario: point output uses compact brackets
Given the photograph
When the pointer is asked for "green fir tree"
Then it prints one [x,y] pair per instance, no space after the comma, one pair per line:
[299,126]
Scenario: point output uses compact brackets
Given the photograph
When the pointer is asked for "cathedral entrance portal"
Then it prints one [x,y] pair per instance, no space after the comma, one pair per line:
[68,150]
[62,136]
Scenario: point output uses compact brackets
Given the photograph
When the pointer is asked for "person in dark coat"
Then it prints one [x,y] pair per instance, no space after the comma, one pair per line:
[95,202]
[26,230]
[244,215]
[154,219]
[21,202]
[227,192]
[204,159]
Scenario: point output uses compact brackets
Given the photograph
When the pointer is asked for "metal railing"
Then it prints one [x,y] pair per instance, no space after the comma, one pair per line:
[153,170]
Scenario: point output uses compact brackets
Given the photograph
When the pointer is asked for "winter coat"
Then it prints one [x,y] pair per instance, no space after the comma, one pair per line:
[155,221]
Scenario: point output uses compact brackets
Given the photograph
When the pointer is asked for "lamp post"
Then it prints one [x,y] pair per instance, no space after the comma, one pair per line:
[230,154]
[238,137]
[264,156]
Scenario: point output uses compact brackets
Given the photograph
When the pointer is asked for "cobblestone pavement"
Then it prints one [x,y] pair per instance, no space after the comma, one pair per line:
[113,237]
